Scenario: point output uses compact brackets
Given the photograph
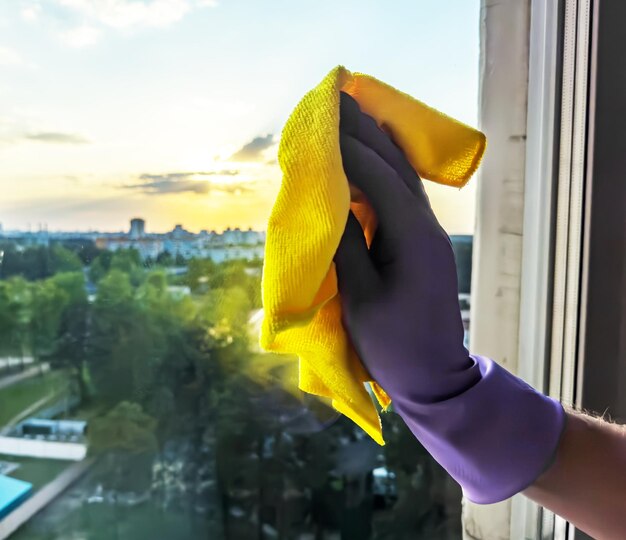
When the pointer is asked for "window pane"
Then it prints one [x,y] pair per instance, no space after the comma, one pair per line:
[138,146]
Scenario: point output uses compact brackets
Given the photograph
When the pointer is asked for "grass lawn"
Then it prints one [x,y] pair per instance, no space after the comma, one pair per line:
[19,396]
[36,471]
[88,411]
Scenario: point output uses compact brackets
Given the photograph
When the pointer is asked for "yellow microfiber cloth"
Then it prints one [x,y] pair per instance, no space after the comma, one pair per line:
[302,310]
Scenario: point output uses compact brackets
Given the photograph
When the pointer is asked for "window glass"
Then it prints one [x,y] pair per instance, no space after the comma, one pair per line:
[138,147]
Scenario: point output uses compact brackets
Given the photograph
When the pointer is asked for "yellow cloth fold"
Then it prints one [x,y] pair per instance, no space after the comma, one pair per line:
[302,311]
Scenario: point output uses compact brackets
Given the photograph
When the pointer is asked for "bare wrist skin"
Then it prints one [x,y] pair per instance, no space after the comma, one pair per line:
[586,484]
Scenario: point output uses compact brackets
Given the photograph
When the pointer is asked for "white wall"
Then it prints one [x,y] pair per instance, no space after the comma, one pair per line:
[499,213]
[17,446]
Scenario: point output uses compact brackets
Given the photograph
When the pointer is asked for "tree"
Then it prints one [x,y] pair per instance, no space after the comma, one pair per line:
[421,509]
[127,435]
[224,314]
[37,262]
[126,428]
[199,274]
[165,259]
[18,309]
[64,260]
[158,282]
[113,341]
[47,302]
[238,274]
[8,320]
[86,249]
[126,260]
[31,263]
[100,266]
[73,334]
[129,261]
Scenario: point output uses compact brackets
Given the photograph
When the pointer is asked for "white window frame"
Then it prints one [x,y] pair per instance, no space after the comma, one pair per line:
[556,149]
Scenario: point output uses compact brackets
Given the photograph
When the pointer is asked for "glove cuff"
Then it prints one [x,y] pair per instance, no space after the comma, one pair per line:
[495,438]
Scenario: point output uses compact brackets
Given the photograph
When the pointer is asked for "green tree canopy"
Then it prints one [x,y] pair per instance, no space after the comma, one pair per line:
[47,304]
[64,260]
[126,427]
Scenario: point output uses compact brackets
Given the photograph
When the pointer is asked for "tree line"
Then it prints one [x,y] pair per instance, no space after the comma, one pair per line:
[179,410]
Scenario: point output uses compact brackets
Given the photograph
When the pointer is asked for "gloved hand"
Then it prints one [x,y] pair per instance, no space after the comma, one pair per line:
[490,430]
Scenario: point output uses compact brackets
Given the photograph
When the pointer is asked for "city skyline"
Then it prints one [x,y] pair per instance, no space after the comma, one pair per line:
[42,228]
[173,108]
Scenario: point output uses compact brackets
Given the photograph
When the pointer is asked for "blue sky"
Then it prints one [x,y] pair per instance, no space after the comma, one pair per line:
[171,109]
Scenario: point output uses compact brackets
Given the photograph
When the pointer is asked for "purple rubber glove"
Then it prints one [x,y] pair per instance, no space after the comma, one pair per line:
[491,431]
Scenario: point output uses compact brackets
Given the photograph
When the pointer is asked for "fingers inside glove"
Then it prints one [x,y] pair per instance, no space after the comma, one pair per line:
[364,128]
[355,270]
[381,184]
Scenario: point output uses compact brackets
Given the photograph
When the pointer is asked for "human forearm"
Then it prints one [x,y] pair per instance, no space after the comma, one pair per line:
[491,431]
[587,482]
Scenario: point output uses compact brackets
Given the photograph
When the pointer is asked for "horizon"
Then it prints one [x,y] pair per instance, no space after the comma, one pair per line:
[148,232]
[126,107]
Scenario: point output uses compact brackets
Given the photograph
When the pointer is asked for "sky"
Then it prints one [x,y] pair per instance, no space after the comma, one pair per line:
[171,110]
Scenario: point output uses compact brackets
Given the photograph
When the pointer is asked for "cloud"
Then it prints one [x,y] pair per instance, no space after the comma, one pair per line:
[81,36]
[31,13]
[126,14]
[187,182]
[160,187]
[14,130]
[10,57]
[186,175]
[253,151]
[85,22]
[133,13]
[52,137]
